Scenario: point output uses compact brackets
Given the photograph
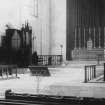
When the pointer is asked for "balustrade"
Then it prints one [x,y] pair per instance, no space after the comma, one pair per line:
[49,59]
[90,72]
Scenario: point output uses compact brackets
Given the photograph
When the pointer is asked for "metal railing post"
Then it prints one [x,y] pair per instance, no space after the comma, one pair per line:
[85,74]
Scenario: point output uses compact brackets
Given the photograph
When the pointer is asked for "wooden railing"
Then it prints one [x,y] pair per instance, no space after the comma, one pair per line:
[49,59]
[90,73]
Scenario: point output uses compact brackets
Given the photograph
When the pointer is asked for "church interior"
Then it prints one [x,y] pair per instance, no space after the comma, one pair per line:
[52,52]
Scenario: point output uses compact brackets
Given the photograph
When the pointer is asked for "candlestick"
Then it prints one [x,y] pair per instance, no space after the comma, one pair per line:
[84,37]
[94,37]
[99,37]
[75,38]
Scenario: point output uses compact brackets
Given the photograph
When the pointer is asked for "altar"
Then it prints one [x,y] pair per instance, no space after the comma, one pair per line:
[86,49]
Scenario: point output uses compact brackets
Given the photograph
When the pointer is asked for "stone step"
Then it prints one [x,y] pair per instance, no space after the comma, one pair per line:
[98,79]
[78,90]
[67,73]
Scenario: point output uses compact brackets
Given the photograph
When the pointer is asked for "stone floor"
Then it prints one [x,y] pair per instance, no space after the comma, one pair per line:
[66,81]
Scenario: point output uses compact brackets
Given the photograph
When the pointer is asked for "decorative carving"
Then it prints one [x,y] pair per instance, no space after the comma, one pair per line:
[89,44]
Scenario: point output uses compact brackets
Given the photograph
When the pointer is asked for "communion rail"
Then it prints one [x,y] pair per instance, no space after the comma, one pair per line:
[49,59]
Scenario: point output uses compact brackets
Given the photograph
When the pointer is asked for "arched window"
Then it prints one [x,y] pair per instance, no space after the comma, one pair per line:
[16,41]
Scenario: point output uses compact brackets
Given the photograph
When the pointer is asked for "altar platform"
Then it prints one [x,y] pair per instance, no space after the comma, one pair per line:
[88,54]
[64,81]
